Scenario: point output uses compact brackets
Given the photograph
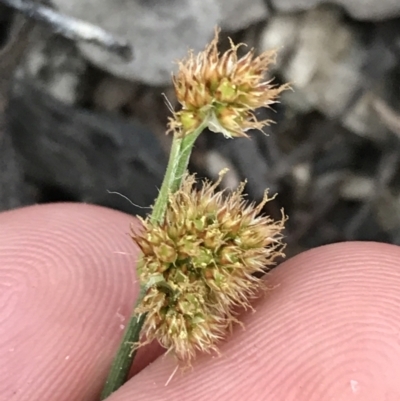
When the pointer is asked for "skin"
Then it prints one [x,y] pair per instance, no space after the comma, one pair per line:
[329,330]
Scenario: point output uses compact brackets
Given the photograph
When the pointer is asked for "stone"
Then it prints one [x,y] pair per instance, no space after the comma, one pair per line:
[159,31]
[320,56]
[359,9]
[239,14]
[249,161]
[14,190]
[336,66]
[83,155]
[55,64]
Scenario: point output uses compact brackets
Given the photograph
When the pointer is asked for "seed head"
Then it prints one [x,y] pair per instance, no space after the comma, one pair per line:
[204,255]
[223,90]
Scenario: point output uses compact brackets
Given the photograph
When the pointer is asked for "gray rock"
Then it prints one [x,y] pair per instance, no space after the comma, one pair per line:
[83,154]
[55,64]
[14,190]
[159,31]
[360,9]
[320,56]
[324,61]
[239,14]
[249,161]
[332,68]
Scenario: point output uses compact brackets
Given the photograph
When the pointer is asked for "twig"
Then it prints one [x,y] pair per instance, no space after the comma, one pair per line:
[72,28]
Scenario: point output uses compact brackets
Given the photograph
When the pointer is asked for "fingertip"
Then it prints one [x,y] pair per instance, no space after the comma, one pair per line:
[327,331]
[68,286]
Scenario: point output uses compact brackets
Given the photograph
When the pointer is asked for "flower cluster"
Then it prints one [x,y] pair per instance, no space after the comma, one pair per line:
[223,91]
[204,257]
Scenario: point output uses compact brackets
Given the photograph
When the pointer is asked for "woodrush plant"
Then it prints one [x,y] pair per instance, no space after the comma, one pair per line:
[201,250]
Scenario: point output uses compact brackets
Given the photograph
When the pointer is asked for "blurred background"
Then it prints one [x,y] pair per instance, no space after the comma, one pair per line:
[79,123]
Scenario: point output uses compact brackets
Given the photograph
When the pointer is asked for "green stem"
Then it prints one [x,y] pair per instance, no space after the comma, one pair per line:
[178,162]
[176,169]
[123,359]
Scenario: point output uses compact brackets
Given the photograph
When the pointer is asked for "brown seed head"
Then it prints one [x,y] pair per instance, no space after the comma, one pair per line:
[206,251]
[223,90]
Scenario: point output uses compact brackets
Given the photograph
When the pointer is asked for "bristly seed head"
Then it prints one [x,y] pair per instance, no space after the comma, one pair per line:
[204,256]
[223,90]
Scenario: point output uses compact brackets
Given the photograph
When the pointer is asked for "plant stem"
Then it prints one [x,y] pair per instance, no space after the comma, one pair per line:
[176,169]
[178,161]
[123,359]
